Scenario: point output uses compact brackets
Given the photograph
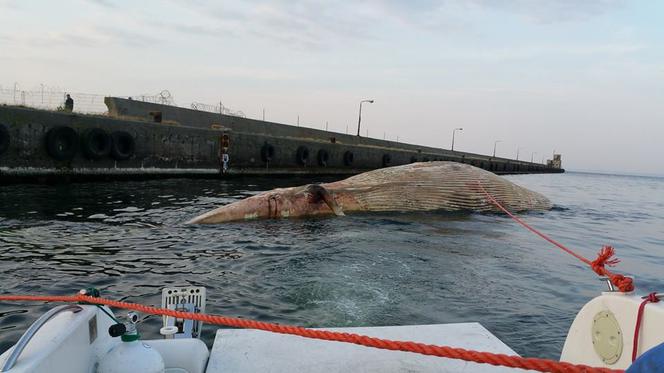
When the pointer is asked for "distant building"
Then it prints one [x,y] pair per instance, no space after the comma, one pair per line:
[555,162]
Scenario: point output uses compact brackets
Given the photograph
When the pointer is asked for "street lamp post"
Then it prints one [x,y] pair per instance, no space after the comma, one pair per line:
[494,147]
[517,152]
[453,132]
[359,117]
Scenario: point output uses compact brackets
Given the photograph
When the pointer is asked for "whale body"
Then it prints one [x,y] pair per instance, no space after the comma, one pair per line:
[425,186]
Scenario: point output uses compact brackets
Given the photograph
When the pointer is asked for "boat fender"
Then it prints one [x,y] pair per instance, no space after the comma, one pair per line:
[267,153]
[96,143]
[348,158]
[4,138]
[323,157]
[387,159]
[61,143]
[123,145]
[650,361]
[302,155]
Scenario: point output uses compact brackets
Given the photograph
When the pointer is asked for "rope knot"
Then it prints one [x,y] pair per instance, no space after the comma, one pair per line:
[604,258]
[652,297]
[623,283]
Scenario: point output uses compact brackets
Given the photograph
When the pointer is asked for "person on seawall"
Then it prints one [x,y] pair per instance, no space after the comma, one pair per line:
[69,103]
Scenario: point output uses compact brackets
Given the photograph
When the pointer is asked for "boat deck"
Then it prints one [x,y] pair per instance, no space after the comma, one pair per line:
[236,350]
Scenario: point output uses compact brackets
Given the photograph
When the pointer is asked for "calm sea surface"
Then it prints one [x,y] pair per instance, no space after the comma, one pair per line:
[128,239]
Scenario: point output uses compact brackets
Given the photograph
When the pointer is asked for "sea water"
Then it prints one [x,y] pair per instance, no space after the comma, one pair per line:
[129,240]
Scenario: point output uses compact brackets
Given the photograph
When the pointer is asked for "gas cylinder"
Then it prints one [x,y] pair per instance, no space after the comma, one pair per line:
[131,355]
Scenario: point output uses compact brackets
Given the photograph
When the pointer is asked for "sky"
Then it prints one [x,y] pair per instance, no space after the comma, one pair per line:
[582,78]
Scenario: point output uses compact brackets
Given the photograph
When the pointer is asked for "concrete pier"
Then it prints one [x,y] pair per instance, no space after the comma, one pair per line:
[140,139]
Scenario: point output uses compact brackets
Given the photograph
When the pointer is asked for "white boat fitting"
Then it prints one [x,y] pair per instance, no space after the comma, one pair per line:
[88,338]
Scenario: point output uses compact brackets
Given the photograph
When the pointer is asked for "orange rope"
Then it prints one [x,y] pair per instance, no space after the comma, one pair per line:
[540,365]
[604,256]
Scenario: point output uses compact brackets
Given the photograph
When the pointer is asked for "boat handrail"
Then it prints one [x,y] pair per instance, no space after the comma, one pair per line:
[32,330]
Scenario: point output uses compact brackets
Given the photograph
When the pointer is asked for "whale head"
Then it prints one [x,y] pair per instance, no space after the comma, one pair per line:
[307,200]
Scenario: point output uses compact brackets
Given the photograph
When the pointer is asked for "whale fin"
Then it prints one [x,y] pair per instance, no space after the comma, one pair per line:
[319,192]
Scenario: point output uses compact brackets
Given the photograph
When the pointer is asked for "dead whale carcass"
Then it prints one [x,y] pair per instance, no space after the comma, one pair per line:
[445,186]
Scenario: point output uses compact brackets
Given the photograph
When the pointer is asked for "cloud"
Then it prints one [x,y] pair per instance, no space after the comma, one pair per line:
[318,24]
[103,3]
[552,11]
[9,4]
[300,24]
[83,36]
[126,36]
[534,51]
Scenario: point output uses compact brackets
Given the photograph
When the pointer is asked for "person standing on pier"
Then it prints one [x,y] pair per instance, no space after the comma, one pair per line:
[69,103]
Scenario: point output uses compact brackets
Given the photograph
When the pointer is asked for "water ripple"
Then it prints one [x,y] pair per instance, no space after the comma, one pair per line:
[128,239]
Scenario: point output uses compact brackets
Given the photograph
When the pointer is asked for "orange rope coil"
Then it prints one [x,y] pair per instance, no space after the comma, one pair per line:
[540,365]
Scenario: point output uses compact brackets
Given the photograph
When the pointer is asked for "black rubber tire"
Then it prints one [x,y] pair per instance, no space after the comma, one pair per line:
[4,139]
[323,157]
[62,143]
[123,146]
[302,155]
[348,158]
[267,153]
[96,143]
[387,159]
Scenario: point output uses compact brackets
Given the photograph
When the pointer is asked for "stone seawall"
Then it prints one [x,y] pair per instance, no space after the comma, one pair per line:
[129,143]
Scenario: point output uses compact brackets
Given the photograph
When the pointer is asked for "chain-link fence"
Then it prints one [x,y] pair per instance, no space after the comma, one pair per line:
[221,109]
[52,99]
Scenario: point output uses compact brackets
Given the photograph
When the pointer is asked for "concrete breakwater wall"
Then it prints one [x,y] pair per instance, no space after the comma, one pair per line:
[140,139]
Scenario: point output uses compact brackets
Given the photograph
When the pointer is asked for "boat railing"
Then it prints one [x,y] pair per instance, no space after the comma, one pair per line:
[32,331]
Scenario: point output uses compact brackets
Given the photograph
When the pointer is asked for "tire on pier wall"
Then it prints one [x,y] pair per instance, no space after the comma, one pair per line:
[267,152]
[348,158]
[5,139]
[96,143]
[302,155]
[323,157]
[62,143]
[123,146]
[387,159]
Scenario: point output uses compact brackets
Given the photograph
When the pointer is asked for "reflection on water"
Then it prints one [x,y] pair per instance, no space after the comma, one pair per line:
[128,239]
